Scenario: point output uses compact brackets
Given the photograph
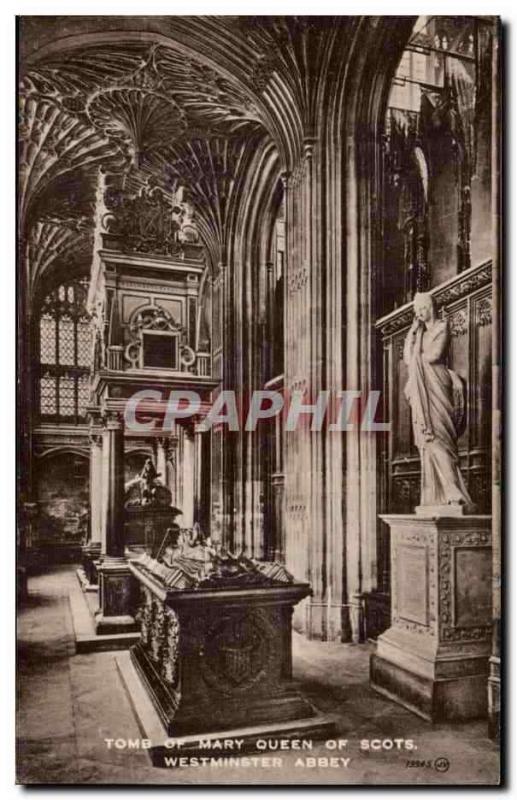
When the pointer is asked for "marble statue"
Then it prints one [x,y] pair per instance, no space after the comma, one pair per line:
[436,397]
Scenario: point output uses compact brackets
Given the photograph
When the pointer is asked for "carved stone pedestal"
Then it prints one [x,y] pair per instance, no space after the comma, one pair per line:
[146,526]
[434,658]
[116,597]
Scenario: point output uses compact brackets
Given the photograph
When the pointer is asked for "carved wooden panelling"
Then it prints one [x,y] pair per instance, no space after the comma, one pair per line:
[459,347]
[465,302]
[401,419]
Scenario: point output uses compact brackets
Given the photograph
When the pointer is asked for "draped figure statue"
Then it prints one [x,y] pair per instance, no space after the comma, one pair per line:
[436,397]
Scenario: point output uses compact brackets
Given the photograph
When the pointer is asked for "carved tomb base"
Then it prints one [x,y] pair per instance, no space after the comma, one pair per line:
[215,654]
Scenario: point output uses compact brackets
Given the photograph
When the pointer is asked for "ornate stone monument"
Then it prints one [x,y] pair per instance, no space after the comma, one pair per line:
[434,657]
[148,513]
[215,648]
[143,523]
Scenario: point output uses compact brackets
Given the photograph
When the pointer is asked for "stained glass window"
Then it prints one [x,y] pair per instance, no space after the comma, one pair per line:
[64,349]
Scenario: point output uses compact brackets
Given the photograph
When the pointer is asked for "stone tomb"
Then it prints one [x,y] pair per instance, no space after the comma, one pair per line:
[215,648]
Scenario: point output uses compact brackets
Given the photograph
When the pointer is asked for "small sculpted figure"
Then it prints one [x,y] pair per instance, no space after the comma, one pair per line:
[436,397]
[148,478]
[146,489]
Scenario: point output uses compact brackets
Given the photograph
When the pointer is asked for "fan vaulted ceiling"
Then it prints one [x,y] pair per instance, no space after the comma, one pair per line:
[135,109]
[188,100]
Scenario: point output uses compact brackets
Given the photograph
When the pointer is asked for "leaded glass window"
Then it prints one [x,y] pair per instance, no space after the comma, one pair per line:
[65,352]
[66,340]
[66,395]
[83,393]
[47,339]
[84,343]
[48,402]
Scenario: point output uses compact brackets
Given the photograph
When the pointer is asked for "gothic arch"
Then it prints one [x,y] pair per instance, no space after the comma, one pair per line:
[78,450]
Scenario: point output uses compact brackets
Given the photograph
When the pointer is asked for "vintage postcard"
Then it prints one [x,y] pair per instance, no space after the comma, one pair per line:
[259,346]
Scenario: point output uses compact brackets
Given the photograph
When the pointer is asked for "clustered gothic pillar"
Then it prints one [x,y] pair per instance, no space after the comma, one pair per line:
[297,359]
[115,579]
[315,532]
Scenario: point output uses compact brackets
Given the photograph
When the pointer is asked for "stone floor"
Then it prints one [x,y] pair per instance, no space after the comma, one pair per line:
[68,704]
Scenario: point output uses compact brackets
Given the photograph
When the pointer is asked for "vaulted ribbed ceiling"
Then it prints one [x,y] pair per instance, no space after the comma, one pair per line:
[135,109]
[123,107]
[185,99]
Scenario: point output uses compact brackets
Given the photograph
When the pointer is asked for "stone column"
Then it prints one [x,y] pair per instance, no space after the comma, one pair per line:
[113,455]
[188,468]
[95,488]
[162,454]
[91,550]
[303,514]
[278,481]
[173,468]
[115,579]
[198,458]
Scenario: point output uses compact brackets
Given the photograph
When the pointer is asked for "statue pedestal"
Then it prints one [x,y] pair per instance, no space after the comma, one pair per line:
[434,658]
[146,526]
[116,597]
[450,510]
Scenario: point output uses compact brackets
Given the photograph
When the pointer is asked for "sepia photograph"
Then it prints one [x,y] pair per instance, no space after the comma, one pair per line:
[259,400]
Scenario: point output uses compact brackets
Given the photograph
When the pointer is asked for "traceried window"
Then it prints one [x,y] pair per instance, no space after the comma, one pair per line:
[64,354]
